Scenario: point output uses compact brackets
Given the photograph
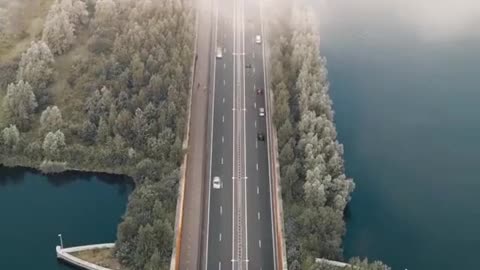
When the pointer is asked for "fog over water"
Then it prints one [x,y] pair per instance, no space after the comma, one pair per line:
[406,91]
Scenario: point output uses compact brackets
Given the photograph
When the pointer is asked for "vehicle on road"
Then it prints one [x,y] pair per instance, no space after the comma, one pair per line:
[261,112]
[219,52]
[217,184]
[259,91]
[258,39]
[248,66]
[260,136]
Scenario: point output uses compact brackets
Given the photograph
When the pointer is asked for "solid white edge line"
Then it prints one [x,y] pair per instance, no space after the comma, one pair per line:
[274,244]
[211,140]
[233,140]
[244,133]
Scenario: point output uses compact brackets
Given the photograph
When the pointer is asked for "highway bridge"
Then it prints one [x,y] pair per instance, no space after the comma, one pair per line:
[230,225]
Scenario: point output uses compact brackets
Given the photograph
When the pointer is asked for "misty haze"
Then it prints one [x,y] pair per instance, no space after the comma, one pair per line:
[239,134]
[404,81]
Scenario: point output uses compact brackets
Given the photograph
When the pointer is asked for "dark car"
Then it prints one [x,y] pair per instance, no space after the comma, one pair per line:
[260,136]
[248,66]
[259,91]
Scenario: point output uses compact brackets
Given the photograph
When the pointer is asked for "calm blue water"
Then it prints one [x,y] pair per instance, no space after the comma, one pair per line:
[34,209]
[408,112]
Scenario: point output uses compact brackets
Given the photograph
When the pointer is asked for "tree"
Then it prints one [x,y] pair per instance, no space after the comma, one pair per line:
[155,262]
[36,66]
[88,132]
[103,132]
[105,12]
[11,137]
[285,133]
[98,104]
[138,71]
[140,129]
[51,119]
[58,32]
[20,103]
[53,145]
[282,109]
[145,246]
[123,125]
[77,11]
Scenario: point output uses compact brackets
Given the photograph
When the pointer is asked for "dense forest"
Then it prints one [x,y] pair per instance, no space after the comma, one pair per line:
[104,87]
[315,189]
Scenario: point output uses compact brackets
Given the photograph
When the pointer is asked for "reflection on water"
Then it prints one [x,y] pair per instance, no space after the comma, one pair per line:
[34,208]
[406,94]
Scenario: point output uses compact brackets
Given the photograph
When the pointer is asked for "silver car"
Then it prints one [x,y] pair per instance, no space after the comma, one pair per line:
[261,112]
[219,52]
[217,184]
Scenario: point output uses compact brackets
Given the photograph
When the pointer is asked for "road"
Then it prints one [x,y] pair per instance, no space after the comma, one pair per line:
[239,232]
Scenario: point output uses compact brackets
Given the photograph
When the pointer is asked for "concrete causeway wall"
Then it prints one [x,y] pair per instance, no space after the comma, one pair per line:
[64,254]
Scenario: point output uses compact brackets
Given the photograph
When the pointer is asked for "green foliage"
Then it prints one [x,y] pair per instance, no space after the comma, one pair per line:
[10,138]
[20,103]
[36,66]
[51,119]
[53,145]
[62,20]
[315,189]
[120,101]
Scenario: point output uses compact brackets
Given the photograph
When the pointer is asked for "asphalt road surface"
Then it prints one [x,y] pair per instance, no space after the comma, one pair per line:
[239,232]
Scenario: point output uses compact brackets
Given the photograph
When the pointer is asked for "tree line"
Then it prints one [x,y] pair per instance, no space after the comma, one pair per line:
[130,87]
[315,189]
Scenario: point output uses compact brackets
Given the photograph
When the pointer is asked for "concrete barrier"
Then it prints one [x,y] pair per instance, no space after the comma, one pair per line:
[64,254]
[175,260]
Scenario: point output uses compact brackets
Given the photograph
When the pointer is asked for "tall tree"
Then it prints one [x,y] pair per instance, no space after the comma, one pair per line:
[51,119]
[36,66]
[53,145]
[20,103]
[58,32]
[11,137]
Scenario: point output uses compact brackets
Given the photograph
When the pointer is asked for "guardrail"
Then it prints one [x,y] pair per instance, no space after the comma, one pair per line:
[63,254]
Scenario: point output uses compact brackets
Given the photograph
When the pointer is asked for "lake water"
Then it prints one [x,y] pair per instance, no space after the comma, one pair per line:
[406,92]
[34,209]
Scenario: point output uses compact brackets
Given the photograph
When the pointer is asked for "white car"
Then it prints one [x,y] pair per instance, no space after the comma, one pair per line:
[261,112]
[258,39]
[219,52]
[217,184]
